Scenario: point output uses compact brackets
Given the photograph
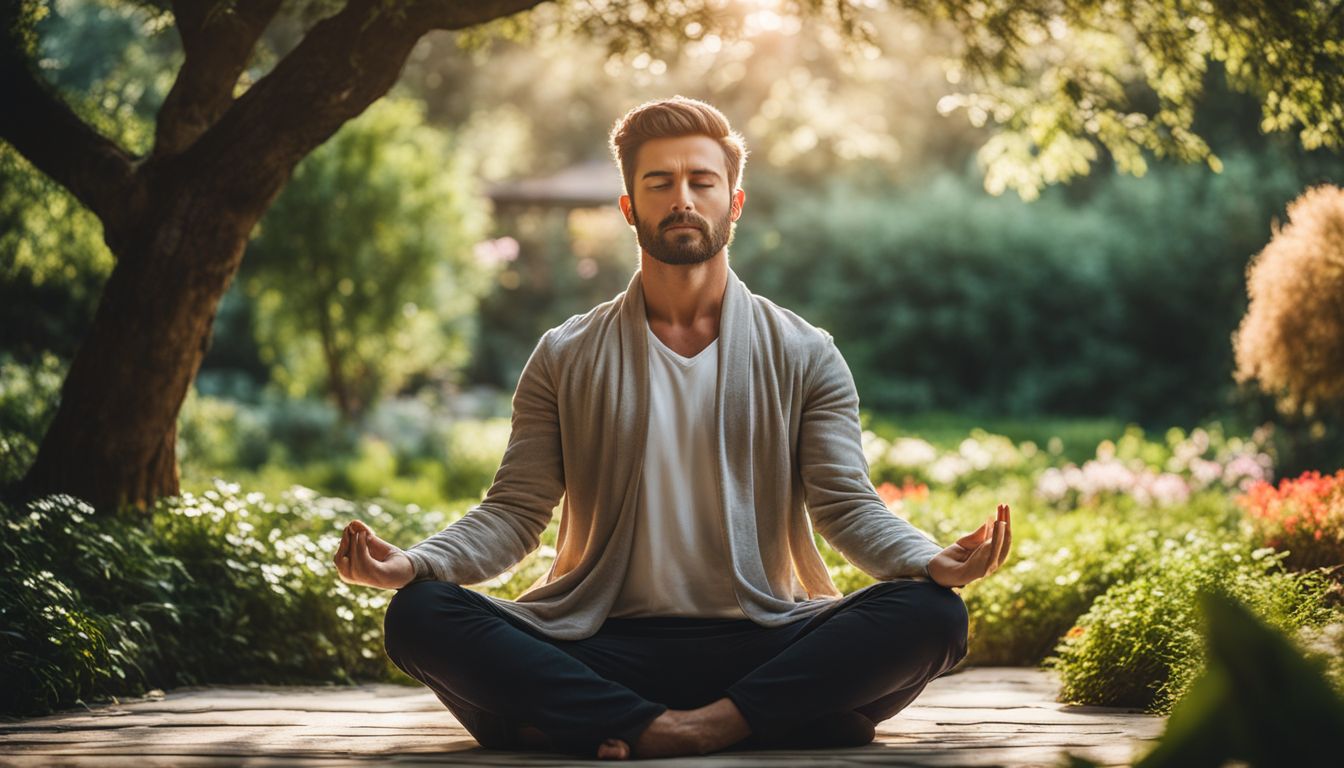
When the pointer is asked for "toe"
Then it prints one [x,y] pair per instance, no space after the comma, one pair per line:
[613,749]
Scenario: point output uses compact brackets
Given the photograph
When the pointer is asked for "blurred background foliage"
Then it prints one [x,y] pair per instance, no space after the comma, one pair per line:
[1071,356]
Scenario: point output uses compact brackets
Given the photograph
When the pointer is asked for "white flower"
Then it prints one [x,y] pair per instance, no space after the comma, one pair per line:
[911,452]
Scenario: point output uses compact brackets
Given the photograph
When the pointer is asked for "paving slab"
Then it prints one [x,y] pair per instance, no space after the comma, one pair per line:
[985,716]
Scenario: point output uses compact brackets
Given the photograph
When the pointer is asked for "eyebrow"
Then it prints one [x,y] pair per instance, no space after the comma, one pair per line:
[694,172]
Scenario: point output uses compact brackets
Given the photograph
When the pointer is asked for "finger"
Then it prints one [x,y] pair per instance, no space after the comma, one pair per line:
[1007,542]
[958,552]
[372,571]
[974,538]
[379,549]
[359,565]
[343,555]
[997,546]
[370,564]
[977,565]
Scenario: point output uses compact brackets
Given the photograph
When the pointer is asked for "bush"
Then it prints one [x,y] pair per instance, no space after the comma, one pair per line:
[28,397]
[978,460]
[84,601]
[1158,474]
[224,587]
[1061,562]
[1139,644]
[1303,517]
[943,297]
[1291,341]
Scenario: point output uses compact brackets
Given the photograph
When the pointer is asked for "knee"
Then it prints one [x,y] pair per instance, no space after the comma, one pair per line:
[939,616]
[947,619]
[408,622]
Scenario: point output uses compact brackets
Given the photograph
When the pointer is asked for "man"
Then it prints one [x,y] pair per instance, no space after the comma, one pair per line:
[693,430]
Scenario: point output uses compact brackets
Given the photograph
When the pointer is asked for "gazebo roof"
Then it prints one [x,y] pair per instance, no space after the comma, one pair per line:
[590,183]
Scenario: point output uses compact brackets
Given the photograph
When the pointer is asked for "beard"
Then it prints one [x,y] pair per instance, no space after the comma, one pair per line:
[683,246]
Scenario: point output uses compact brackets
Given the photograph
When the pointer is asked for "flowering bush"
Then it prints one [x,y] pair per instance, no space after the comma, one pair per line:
[978,459]
[1303,517]
[1158,476]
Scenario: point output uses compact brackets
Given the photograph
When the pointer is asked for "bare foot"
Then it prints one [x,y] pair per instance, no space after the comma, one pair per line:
[613,749]
[679,732]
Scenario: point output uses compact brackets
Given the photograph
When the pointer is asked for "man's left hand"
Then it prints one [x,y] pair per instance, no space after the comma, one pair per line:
[975,555]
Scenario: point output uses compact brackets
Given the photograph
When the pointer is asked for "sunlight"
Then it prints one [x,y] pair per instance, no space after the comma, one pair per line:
[763,17]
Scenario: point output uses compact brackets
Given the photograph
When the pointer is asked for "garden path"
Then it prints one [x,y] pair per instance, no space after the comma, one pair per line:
[989,716]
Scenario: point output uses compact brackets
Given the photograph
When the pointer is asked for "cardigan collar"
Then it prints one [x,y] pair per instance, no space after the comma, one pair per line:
[732,414]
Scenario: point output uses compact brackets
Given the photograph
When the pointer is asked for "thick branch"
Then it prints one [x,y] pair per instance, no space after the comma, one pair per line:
[217,40]
[44,129]
[345,63]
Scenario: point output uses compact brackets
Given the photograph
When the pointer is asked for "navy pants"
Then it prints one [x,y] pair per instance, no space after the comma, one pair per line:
[873,655]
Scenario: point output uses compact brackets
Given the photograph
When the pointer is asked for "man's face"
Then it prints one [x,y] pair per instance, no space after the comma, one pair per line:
[682,208]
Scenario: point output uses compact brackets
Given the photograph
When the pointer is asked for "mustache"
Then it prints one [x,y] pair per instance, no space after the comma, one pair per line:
[682,221]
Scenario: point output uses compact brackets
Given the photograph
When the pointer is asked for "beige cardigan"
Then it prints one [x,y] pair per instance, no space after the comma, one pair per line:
[789,447]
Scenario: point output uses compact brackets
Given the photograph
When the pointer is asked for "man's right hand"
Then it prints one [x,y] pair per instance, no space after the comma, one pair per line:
[363,558]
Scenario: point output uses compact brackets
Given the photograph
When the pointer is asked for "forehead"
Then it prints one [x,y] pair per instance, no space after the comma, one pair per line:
[682,153]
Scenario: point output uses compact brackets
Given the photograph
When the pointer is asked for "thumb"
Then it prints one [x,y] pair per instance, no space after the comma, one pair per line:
[379,549]
[974,538]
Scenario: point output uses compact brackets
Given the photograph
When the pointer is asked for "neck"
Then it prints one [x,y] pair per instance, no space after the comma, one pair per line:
[684,296]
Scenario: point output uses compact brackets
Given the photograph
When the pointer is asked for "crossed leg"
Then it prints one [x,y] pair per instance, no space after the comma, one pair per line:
[747,685]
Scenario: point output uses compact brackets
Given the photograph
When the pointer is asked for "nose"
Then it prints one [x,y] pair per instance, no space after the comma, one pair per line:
[681,201]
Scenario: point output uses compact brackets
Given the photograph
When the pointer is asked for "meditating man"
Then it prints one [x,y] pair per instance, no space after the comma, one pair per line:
[696,433]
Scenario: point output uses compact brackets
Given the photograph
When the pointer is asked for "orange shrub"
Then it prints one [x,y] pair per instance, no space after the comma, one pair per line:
[892,493]
[1302,516]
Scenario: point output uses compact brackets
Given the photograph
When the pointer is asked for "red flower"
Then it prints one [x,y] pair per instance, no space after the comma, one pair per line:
[1303,516]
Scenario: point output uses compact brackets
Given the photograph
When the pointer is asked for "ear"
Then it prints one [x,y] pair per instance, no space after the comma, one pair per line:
[739,200]
[625,209]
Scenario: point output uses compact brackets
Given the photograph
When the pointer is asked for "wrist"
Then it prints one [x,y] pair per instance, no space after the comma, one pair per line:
[406,574]
[928,573]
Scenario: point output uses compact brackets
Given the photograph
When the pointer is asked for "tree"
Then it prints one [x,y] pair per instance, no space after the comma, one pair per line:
[363,266]
[178,217]
[1066,81]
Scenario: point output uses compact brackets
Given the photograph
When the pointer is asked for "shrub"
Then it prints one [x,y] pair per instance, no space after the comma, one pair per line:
[28,396]
[1060,563]
[979,459]
[1292,338]
[1139,643]
[226,587]
[1019,614]
[1302,517]
[82,603]
[1155,474]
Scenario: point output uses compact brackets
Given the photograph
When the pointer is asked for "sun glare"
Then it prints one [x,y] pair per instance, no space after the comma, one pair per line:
[763,17]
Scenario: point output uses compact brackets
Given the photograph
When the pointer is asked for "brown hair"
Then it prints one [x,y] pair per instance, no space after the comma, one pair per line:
[672,118]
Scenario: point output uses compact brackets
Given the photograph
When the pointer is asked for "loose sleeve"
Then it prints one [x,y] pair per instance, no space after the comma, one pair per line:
[844,507]
[507,525]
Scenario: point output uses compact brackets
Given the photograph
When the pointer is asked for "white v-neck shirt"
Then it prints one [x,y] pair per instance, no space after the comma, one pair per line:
[679,563]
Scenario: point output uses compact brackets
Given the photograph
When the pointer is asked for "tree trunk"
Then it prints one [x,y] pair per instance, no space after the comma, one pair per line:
[113,439]
[336,382]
